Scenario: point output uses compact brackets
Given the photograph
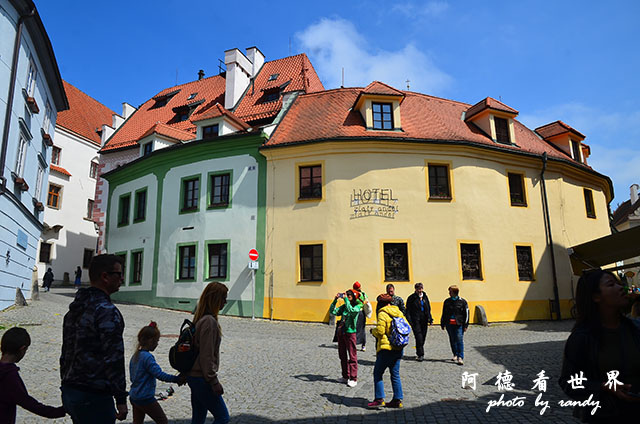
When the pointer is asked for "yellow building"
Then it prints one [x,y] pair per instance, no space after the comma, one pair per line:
[380,185]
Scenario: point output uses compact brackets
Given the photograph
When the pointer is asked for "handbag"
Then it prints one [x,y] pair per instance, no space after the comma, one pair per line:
[368,310]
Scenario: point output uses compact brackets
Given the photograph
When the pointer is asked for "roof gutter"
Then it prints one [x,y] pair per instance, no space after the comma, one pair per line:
[547,228]
[12,86]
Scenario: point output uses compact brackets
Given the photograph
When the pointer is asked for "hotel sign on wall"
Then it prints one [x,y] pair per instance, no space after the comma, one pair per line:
[373,202]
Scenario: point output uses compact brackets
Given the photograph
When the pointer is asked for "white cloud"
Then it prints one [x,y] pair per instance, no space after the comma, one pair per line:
[612,136]
[334,44]
[420,11]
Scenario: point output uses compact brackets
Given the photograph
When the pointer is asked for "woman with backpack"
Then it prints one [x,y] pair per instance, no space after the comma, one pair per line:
[455,318]
[387,355]
[206,390]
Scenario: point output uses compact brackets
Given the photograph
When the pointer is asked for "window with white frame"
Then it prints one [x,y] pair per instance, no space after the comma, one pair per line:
[46,120]
[31,78]
[38,187]
[93,170]
[20,157]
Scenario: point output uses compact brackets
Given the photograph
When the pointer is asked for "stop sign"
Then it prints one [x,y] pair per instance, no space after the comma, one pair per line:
[253,254]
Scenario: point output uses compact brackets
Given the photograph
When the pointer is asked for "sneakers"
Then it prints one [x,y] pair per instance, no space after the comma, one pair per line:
[420,358]
[364,348]
[376,403]
[352,383]
[342,380]
[395,403]
[460,362]
[454,359]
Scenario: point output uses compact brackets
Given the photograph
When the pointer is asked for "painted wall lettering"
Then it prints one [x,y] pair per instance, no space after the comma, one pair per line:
[373,202]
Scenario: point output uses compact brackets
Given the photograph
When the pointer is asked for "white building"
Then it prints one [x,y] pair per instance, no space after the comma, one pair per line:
[31,94]
[69,236]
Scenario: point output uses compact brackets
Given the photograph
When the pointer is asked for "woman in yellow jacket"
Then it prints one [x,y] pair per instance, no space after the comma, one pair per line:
[387,356]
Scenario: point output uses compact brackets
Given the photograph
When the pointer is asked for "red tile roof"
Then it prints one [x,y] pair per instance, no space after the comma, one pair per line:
[557,128]
[296,70]
[59,169]
[145,119]
[488,103]
[84,115]
[219,110]
[328,115]
[167,131]
[378,87]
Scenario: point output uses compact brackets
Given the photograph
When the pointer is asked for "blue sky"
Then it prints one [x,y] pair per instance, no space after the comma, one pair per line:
[576,61]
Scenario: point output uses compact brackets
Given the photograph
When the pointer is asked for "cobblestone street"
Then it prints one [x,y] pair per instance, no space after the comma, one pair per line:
[287,372]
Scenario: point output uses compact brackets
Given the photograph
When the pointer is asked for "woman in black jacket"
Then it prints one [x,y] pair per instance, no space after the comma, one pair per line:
[603,340]
[455,318]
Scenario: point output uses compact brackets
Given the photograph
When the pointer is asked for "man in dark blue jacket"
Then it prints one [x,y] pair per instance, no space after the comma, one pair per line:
[419,316]
[92,362]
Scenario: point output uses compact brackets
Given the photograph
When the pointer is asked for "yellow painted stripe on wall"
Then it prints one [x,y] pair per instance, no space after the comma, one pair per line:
[317,310]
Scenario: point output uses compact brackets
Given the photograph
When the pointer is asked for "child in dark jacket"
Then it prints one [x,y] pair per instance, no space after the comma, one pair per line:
[14,345]
[144,370]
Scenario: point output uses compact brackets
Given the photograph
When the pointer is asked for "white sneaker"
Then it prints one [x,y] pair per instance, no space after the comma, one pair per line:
[364,348]
[342,380]
[352,383]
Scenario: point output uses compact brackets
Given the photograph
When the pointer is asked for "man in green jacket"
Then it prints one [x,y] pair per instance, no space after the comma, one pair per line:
[347,335]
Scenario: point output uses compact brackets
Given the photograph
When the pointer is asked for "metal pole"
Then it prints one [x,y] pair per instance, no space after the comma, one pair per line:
[253,294]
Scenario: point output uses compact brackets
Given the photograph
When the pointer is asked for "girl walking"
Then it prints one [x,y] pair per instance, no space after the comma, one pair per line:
[144,370]
[347,335]
[206,390]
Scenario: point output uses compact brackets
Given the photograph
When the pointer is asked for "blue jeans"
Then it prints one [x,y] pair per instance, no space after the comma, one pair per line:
[388,359]
[85,407]
[455,340]
[203,399]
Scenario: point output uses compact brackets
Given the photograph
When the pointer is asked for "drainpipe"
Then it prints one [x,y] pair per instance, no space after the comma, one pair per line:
[547,222]
[12,84]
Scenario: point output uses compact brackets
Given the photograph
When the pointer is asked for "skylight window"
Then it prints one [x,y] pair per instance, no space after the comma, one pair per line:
[273,77]
[192,96]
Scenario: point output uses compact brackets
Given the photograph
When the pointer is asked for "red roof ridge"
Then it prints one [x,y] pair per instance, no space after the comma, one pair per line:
[488,103]
[219,110]
[386,89]
[59,169]
[167,131]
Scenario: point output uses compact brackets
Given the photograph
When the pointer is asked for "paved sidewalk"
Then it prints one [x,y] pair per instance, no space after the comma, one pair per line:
[287,372]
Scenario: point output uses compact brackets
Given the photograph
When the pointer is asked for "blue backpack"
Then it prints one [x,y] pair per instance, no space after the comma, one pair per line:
[399,332]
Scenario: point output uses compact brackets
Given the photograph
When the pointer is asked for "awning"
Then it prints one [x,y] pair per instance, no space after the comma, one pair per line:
[606,250]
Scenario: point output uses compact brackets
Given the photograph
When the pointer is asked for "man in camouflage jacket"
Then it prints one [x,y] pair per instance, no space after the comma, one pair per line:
[92,366]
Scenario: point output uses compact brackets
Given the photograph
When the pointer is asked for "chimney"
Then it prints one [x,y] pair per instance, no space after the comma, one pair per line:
[634,193]
[240,70]
[256,58]
[200,74]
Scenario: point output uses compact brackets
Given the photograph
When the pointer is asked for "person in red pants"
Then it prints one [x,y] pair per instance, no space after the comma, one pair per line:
[347,328]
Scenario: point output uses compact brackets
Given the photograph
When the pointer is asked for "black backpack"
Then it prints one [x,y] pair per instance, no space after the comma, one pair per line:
[183,353]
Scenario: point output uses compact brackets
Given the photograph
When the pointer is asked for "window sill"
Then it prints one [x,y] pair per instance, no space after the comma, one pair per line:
[88,219]
[123,225]
[218,206]
[311,282]
[193,210]
[138,221]
[441,198]
[519,205]
[217,279]
[135,284]
[186,281]
[33,105]
[473,279]
[591,216]
[309,199]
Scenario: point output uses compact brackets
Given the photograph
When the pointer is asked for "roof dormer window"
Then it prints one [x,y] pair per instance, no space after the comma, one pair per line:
[273,77]
[192,96]
[575,150]
[162,100]
[382,116]
[379,105]
[502,130]
[271,96]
